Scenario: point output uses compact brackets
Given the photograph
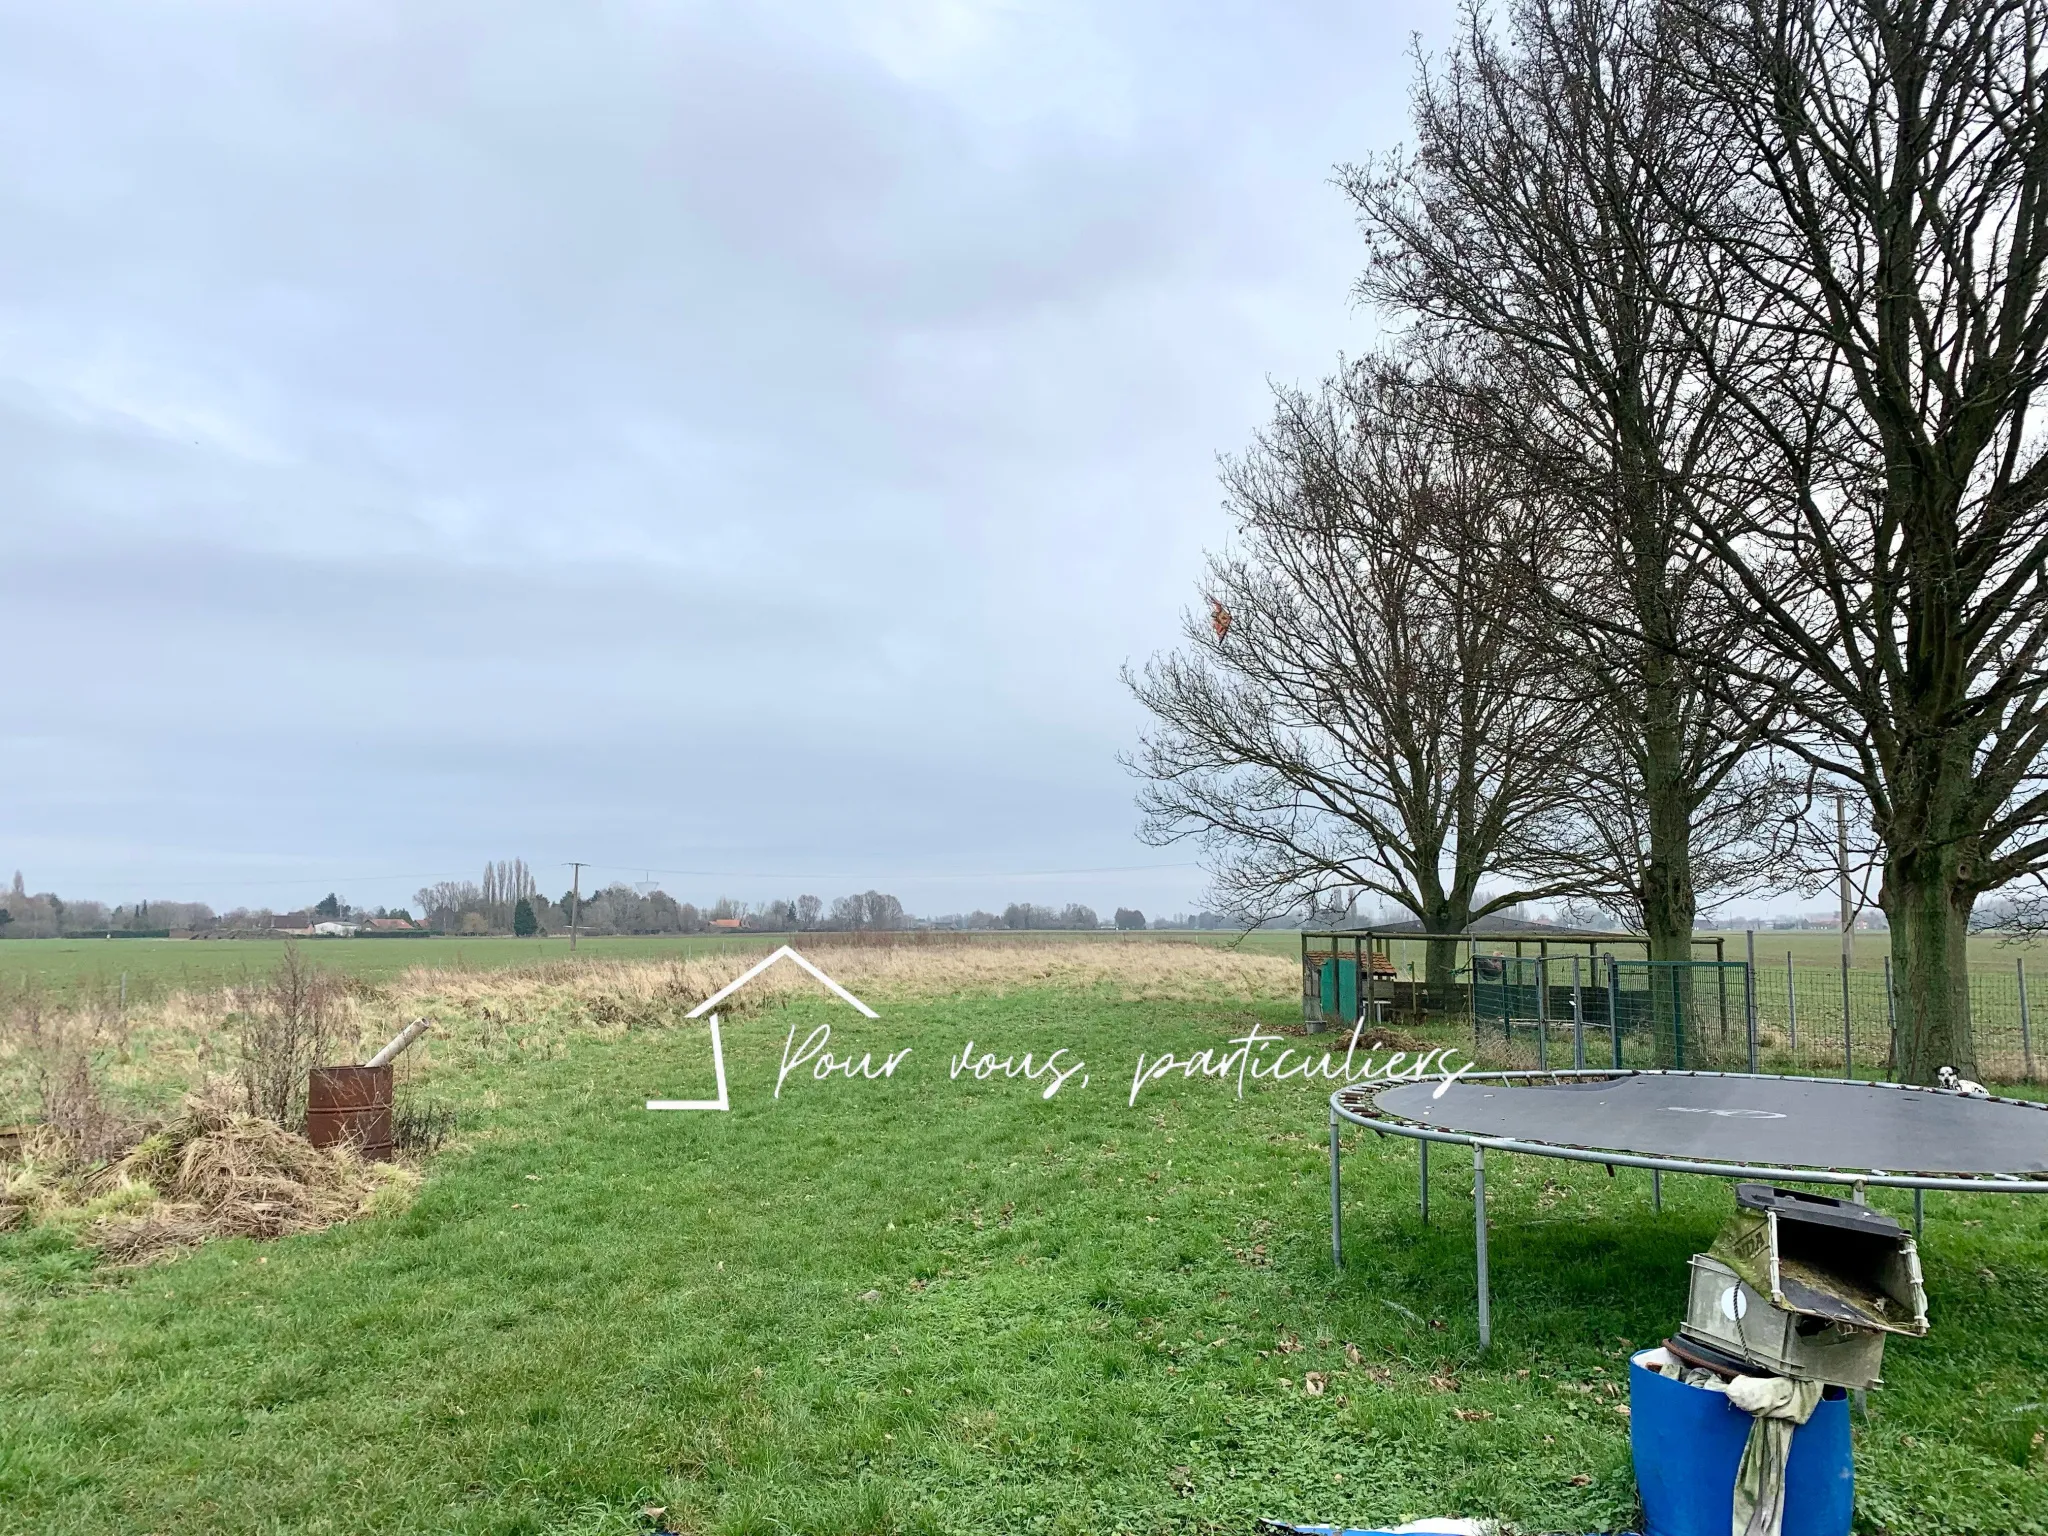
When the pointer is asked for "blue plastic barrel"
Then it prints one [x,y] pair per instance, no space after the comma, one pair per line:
[1687,1443]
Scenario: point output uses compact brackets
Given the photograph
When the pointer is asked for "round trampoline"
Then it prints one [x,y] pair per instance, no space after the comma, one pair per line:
[1800,1130]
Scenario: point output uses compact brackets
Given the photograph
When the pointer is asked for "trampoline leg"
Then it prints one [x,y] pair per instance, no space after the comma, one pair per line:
[1657,1189]
[1425,1181]
[1336,1195]
[1919,1211]
[1479,1217]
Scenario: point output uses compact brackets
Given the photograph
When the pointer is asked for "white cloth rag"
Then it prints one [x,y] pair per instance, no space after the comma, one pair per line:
[1776,1407]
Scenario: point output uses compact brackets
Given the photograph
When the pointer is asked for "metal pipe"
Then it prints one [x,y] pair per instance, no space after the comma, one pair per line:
[1543,1010]
[1657,1190]
[1919,1210]
[400,1041]
[1425,1183]
[1479,1218]
[1336,1191]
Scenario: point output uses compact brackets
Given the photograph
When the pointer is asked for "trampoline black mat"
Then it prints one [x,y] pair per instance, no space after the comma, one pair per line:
[1787,1122]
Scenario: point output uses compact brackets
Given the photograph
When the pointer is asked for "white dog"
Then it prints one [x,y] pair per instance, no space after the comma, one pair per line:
[1946,1078]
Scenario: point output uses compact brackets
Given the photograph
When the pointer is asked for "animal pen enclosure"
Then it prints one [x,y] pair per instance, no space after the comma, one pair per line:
[1560,998]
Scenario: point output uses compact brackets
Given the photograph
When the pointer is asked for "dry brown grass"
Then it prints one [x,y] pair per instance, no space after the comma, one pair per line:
[1134,969]
[188,1039]
[52,1065]
[210,1172]
[211,1169]
[502,1015]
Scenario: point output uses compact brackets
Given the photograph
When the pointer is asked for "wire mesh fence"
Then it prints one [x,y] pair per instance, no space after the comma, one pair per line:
[1811,1020]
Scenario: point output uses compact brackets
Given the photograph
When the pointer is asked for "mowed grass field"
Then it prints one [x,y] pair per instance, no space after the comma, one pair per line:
[930,1303]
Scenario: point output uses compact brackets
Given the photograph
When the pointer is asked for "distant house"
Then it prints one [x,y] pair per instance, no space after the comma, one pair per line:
[727,924]
[391,925]
[292,922]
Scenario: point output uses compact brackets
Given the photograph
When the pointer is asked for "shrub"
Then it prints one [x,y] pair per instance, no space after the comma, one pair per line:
[59,1052]
[286,1027]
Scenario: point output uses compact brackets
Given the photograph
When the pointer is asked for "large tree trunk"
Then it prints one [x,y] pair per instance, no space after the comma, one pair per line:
[1669,904]
[1668,907]
[1442,975]
[1446,914]
[1929,907]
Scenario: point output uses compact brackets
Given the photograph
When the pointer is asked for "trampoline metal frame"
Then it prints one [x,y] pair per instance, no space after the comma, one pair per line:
[1857,1180]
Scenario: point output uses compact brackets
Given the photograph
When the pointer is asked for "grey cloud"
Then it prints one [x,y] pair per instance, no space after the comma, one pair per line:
[437,433]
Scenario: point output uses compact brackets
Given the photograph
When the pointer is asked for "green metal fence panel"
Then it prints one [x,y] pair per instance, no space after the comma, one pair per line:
[1681,1014]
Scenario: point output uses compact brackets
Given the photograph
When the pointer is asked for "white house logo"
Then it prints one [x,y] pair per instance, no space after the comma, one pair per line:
[1243,1058]
[723,1101]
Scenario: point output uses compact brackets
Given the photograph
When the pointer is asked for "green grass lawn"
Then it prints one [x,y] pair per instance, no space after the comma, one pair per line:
[924,1304]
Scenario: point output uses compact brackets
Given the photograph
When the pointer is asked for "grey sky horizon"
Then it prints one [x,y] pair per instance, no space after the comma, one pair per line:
[731,445]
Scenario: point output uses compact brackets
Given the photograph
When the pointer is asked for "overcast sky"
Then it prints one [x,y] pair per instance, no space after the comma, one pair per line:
[737,444]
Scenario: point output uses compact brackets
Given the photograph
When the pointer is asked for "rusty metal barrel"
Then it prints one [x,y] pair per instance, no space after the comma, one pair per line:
[350,1107]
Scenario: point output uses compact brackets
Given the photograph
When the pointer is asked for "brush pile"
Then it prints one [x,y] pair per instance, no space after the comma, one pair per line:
[221,1174]
[210,1173]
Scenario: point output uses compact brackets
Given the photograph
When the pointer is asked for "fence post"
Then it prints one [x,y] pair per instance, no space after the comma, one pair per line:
[1472,988]
[1368,1004]
[1578,1020]
[1749,994]
[1891,1019]
[1681,971]
[1792,1005]
[1614,1008]
[1508,1012]
[1543,1013]
[1847,1062]
[2026,1031]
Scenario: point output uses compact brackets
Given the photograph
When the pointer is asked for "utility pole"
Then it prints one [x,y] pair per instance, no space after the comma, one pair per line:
[576,902]
[1842,867]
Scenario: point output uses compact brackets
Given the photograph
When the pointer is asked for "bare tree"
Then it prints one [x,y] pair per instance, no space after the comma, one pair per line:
[1356,708]
[868,911]
[1528,233]
[1890,546]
